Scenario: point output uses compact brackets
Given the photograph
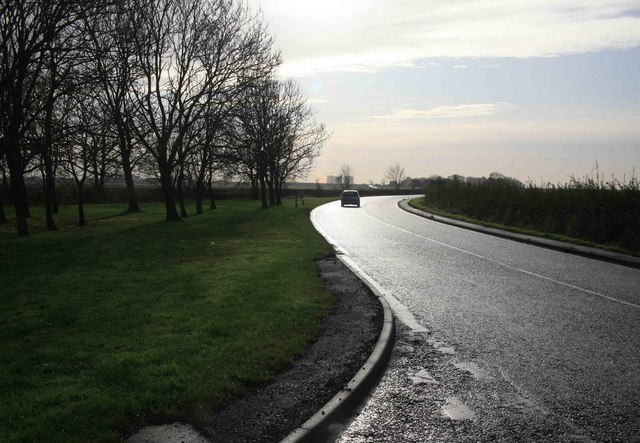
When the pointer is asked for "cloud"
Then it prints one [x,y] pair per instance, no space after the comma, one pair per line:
[449,112]
[363,62]
[370,35]
[477,148]
[318,101]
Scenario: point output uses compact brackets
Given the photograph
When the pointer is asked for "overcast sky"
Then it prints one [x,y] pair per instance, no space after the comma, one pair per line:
[537,90]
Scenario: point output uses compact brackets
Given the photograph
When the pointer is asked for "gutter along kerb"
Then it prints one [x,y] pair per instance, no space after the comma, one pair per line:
[324,423]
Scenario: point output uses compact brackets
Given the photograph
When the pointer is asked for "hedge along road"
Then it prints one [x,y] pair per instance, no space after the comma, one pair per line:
[501,340]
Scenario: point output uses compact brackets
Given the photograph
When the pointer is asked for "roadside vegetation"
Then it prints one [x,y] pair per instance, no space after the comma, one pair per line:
[131,319]
[588,210]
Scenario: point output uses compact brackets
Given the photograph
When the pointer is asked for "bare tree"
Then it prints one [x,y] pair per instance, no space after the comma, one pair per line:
[113,67]
[279,136]
[244,158]
[79,149]
[58,82]
[395,174]
[254,130]
[301,138]
[345,177]
[207,152]
[28,31]
[105,160]
[185,50]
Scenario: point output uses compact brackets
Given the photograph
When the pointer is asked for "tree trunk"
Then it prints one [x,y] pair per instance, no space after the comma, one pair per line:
[49,189]
[102,171]
[18,193]
[200,188]
[272,196]
[125,154]
[96,176]
[263,192]
[81,219]
[279,192]
[46,150]
[183,209]
[168,192]
[212,201]
[199,196]
[255,193]
[101,182]
[4,191]
[3,216]
[5,185]
[180,193]
[272,193]
[99,172]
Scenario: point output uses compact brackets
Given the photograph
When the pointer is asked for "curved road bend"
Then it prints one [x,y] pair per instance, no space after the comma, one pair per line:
[498,340]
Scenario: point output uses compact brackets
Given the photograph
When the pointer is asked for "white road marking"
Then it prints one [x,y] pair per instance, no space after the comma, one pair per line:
[400,310]
[533,274]
[456,410]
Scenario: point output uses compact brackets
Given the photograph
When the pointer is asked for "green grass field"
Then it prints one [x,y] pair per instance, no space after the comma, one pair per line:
[133,319]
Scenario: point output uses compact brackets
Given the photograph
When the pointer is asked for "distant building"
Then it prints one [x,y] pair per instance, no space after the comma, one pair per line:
[333,179]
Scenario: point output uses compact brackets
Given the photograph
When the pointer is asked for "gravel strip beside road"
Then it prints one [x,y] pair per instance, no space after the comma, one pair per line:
[270,412]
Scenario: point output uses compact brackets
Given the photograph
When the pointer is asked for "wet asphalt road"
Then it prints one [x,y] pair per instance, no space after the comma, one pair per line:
[497,340]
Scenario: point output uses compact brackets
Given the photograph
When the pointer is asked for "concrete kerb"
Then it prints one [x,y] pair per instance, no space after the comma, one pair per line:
[327,421]
[599,254]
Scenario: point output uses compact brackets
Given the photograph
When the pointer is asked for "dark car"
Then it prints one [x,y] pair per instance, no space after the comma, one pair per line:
[350,197]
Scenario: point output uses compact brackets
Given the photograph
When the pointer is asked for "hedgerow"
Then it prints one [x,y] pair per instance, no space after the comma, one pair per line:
[594,210]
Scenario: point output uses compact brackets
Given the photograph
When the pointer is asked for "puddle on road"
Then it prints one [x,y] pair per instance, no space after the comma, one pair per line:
[473,369]
[443,347]
[422,377]
[404,348]
[446,350]
[519,401]
[456,410]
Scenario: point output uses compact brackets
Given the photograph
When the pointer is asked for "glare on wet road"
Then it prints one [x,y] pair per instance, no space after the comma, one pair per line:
[535,343]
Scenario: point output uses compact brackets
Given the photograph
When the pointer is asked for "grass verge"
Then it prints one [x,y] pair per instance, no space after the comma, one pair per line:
[132,319]
[417,203]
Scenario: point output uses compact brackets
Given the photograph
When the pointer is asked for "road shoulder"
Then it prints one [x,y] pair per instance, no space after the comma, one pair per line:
[598,254]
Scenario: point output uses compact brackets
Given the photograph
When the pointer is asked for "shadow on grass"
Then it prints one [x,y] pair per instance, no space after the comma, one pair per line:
[137,318]
[117,215]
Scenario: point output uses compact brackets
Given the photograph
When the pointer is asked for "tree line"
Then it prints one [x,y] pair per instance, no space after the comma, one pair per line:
[180,90]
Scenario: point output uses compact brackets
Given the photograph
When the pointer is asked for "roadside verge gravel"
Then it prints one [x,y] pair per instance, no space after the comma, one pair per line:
[269,413]
[328,421]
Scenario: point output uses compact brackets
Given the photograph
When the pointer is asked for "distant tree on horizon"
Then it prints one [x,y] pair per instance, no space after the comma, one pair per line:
[345,178]
[396,175]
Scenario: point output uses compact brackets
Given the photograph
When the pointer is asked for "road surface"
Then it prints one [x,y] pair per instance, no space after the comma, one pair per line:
[497,340]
